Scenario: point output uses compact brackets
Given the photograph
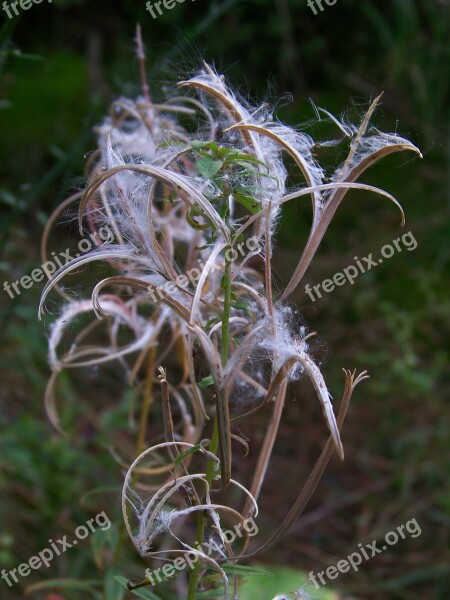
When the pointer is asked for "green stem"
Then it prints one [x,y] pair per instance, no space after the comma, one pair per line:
[226,313]
[225,343]
[195,572]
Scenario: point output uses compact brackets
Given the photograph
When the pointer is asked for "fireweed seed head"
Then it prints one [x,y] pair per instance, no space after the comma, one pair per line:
[184,203]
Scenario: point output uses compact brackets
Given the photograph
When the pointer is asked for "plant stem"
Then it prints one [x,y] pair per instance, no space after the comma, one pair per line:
[225,343]
[146,401]
[226,313]
[195,572]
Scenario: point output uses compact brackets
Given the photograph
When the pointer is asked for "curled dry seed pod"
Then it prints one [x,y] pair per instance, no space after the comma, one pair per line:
[170,508]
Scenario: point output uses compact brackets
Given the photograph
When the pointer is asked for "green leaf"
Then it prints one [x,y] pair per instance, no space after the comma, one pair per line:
[179,459]
[102,542]
[208,167]
[212,322]
[244,570]
[202,147]
[247,201]
[223,210]
[248,161]
[64,584]
[206,382]
[140,593]
[111,587]
[282,580]
[217,593]
[240,305]
[19,54]
[193,223]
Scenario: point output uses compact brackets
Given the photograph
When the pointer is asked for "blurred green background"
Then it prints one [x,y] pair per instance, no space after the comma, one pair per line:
[60,66]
